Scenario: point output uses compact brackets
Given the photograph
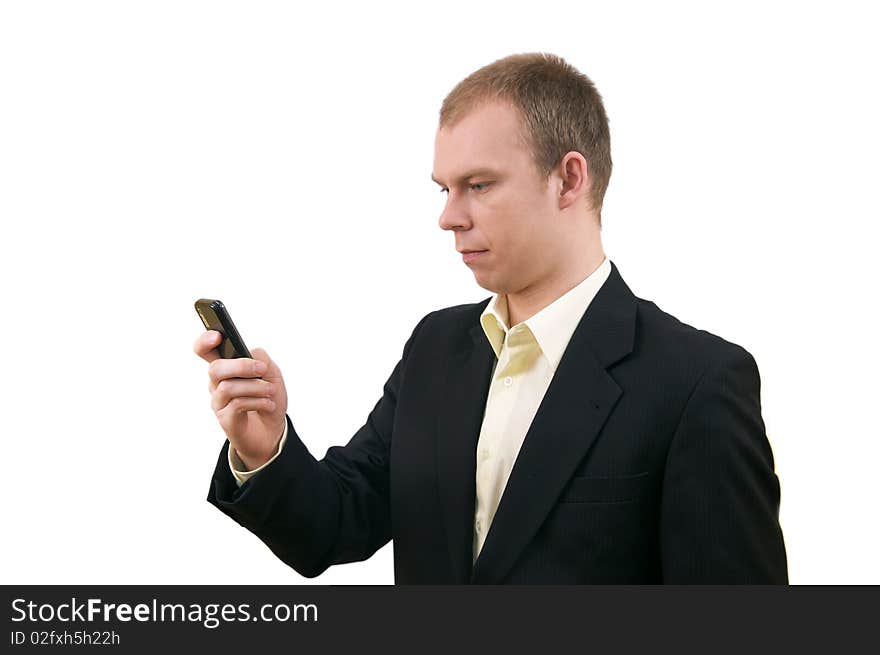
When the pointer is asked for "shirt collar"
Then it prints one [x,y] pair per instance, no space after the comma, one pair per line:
[553,325]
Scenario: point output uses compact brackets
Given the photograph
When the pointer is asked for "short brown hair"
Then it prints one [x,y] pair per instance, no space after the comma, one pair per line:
[560,108]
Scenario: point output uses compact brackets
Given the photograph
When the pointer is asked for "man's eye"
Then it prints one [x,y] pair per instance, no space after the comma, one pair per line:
[479,186]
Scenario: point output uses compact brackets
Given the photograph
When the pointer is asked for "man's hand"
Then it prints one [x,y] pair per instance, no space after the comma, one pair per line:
[249,399]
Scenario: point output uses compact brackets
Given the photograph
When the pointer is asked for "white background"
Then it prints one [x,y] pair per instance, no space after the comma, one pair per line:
[278,156]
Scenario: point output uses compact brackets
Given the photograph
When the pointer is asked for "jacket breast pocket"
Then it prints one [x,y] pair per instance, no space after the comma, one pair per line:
[591,489]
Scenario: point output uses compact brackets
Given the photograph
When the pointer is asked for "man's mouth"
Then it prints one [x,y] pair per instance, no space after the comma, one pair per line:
[470,255]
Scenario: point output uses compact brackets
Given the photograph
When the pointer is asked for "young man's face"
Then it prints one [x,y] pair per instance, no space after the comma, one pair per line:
[497,202]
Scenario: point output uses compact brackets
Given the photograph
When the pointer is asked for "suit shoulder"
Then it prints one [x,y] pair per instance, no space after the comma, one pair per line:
[447,326]
[456,317]
[674,338]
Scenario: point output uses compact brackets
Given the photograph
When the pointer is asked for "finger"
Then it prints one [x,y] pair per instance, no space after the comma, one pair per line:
[206,345]
[238,406]
[243,367]
[232,388]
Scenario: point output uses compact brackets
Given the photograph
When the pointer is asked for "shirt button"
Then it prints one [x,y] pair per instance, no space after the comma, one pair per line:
[508,381]
[484,453]
[479,525]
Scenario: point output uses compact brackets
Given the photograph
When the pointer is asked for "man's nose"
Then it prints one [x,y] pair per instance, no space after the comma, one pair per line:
[454,216]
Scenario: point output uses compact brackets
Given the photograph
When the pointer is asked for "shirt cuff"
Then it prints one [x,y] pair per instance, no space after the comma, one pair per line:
[238,468]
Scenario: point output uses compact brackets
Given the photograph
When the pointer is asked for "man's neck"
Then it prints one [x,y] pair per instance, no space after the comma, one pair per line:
[524,304]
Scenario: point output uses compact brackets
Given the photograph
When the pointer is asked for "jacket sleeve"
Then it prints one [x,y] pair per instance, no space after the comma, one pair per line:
[313,514]
[719,521]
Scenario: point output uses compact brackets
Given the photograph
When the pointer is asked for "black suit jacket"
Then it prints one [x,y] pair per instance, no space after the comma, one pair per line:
[647,462]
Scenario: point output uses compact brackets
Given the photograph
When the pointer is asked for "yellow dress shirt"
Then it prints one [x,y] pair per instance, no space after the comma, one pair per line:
[527,357]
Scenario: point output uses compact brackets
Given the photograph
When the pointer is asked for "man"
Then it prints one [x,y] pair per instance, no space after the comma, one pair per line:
[562,432]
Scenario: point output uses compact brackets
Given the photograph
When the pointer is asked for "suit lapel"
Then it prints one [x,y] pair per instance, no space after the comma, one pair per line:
[578,401]
[461,416]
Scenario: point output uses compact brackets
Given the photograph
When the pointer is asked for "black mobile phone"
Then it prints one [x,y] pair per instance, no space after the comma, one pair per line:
[215,317]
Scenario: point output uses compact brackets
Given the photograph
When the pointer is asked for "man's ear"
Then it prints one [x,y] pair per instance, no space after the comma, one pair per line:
[574,179]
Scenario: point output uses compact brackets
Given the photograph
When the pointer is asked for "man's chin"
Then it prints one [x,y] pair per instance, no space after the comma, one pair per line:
[488,283]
